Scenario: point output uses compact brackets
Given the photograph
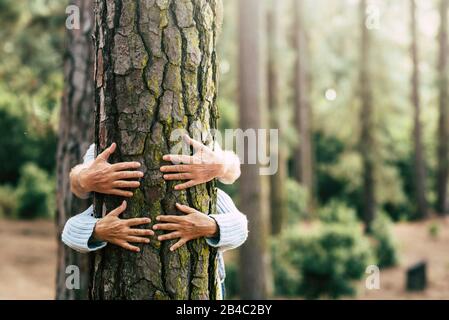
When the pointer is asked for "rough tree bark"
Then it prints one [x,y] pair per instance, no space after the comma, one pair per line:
[419,162]
[443,127]
[367,147]
[277,115]
[303,155]
[75,134]
[254,188]
[156,71]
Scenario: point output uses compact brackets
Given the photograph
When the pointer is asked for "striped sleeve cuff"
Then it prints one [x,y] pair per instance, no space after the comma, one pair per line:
[232,224]
[233,231]
[78,232]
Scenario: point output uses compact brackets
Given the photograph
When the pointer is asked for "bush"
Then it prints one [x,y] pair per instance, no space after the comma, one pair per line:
[324,263]
[296,202]
[286,277]
[12,145]
[232,281]
[8,201]
[337,212]
[434,230]
[385,246]
[35,193]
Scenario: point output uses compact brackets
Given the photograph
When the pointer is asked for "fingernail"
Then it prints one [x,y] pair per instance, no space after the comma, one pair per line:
[176,187]
[166,158]
[147,241]
[159,238]
[158,218]
[155,227]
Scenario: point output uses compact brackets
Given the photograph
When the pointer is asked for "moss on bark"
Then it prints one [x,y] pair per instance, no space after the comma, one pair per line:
[155,72]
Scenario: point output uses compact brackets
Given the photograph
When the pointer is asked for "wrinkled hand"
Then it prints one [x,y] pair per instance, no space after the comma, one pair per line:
[193,225]
[117,231]
[204,166]
[113,179]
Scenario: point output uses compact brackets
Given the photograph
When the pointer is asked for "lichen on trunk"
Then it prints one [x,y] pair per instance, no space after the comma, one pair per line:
[156,71]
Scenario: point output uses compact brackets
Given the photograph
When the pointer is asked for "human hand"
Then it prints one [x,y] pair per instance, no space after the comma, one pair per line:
[193,225]
[204,166]
[112,179]
[118,231]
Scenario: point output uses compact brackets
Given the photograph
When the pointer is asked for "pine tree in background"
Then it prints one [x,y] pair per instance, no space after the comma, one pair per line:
[443,126]
[419,163]
[367,148]
[76,128]
[276,104]
[254,269]
[303,154]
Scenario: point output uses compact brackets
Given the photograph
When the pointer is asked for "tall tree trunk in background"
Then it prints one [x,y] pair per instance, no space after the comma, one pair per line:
[254,188]
[156,71]
[367,122]
[76,130]
[419,163]
[443,128]
[303,155]
[277,115]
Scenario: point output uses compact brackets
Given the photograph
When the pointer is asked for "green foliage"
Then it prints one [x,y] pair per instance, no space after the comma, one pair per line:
[323,263]
[31,51]
[385,247]
[286,276]
[232,281]
[35,193]
[8,201]
[14,139]
[296,202]
[434,230]
[337,212]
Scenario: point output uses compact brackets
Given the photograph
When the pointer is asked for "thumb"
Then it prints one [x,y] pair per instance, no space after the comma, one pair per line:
[108,152]
[118,211]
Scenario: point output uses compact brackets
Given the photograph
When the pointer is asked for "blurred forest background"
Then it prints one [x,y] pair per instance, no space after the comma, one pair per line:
[359,90]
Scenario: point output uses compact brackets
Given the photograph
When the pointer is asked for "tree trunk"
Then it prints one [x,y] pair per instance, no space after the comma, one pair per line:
[303,155]
[254,188]
[367,122]
[419,165]
[75,134]
[156,71]
[277,114]
[443,128]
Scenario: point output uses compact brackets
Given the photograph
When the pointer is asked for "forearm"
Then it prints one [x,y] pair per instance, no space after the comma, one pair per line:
[75,184]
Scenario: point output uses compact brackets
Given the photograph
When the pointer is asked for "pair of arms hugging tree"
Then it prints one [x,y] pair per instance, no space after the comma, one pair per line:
[228,229]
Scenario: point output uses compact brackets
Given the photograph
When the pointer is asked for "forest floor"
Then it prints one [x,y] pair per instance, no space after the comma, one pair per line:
[28,261]
[416,244]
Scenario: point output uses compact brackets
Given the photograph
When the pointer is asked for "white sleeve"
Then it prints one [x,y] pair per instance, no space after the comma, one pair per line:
[232,224]
[78,232]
